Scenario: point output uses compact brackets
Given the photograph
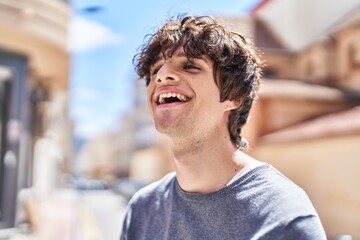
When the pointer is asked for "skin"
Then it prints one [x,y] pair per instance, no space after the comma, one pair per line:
[204,157]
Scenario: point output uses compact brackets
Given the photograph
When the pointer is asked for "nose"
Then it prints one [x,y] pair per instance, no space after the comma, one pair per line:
[166,74]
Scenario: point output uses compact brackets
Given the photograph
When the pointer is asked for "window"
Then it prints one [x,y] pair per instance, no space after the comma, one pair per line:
[13,125]
[7,158]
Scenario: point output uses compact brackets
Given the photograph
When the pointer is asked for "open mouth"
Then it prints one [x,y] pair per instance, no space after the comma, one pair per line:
[166,98]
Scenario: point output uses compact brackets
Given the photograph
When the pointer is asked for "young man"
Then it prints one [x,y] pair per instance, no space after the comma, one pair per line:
[201,82]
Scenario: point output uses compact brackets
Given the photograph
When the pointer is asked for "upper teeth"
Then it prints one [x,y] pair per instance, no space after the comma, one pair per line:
[168,95]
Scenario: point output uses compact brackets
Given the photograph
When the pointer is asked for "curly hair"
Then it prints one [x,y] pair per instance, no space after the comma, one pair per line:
[237,66]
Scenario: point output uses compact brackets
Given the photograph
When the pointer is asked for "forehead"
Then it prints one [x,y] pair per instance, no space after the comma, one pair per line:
[168,54]
[179,53]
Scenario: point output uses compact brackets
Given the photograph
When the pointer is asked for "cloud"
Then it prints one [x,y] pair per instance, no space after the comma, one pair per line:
[85,35]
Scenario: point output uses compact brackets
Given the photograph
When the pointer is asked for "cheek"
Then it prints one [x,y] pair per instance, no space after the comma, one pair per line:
[149,92]
[210,92]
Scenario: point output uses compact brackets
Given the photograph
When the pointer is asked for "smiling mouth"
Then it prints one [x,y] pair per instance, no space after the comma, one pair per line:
[166,98]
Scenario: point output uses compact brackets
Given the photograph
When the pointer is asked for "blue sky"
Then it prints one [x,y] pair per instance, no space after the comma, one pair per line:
[103,38]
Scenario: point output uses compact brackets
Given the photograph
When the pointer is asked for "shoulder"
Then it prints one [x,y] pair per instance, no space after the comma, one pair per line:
[305,228]
[282,206]
[267,180]
[145,203]
[154,190]
[266,190]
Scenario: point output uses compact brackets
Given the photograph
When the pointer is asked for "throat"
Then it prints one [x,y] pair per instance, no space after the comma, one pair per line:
[184,148]
[204,165]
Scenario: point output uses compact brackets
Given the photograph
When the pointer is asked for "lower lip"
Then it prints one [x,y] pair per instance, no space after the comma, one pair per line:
[173,104]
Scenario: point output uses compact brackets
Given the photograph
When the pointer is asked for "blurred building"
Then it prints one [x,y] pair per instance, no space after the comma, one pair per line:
[107,156]
[306,121]
[34,129]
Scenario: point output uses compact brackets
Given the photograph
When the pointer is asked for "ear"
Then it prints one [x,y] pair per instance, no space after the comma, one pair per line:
[230,105]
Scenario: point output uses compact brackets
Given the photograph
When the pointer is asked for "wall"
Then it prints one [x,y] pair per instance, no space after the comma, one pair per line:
[328,170]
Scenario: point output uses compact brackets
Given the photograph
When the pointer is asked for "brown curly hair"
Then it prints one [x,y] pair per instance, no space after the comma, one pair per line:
[237,67]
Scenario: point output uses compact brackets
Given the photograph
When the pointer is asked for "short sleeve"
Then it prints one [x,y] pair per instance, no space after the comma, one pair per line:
[305,228]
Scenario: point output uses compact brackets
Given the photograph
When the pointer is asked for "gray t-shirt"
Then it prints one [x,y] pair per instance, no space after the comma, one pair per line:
[262,204]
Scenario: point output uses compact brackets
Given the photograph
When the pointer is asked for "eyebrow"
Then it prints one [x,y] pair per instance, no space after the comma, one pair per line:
[179,54]
[182,54]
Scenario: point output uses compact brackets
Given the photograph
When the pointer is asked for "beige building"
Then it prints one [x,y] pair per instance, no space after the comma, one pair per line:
[306,121]
[35,146]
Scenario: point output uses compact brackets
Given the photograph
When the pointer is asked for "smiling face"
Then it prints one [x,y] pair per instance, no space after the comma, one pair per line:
[183,98]
[234,58]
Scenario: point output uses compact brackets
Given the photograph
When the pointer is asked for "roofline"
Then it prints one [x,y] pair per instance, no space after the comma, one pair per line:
[297,89]
[344,123]
[259,5]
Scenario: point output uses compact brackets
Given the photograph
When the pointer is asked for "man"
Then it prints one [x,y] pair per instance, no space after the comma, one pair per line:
[201,82]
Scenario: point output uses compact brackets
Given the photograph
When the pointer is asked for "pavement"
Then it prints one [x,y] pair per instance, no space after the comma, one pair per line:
[69,214]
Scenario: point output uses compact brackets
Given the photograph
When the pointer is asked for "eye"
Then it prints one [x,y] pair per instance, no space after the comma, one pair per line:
[154,68]
[154,71]
[190,66]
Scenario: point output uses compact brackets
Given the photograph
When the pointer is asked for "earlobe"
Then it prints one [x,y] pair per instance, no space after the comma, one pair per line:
[230,105]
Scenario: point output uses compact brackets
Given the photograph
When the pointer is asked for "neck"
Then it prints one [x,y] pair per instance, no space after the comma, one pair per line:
[206,165]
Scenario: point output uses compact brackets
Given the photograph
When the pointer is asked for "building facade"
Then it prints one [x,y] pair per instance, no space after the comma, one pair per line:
[305,122]
[34,127]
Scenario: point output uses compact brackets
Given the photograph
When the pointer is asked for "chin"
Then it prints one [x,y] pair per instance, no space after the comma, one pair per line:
[170,129]
[164,129]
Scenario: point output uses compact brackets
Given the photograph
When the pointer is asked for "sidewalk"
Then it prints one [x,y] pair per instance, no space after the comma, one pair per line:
[75,215]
